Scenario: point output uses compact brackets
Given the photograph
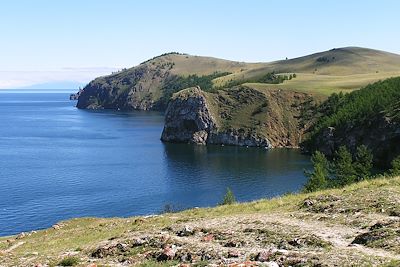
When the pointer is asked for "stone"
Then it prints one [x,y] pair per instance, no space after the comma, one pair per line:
[233,254]
[263,256]
[110,250]
[56,226]
[167,254]
[296,242]
[137,242]
[308,203]
[208,238]
[21,235]
[270,264]
[186,231]
[231,244]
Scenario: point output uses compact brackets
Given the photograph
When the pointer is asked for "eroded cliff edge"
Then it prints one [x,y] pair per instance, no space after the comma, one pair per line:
[240,116]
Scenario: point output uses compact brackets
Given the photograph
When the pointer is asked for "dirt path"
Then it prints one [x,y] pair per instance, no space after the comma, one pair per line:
[16,245]
[338,235]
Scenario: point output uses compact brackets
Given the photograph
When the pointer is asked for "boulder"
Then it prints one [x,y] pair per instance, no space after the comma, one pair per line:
[263,256]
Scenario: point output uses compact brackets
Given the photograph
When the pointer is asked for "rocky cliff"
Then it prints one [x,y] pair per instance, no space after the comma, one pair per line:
[188,118]
[137,88]
[151,84]
[236,116]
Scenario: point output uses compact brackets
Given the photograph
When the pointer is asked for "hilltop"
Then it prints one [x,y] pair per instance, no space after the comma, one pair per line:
[357,225]
[151,84]
[339,69]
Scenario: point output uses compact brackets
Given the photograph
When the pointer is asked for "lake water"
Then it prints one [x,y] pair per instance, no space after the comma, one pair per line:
[58,162]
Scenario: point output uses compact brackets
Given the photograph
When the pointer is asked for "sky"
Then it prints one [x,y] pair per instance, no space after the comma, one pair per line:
[49,41]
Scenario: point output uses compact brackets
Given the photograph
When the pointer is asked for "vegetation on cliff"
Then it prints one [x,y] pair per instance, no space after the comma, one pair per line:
[369,116]
[150,84]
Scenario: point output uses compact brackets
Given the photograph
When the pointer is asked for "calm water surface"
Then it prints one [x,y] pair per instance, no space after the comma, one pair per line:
[58,162]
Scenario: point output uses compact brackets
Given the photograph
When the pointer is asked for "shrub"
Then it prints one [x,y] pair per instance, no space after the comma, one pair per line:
[69,261]
[229,198]
[395,170]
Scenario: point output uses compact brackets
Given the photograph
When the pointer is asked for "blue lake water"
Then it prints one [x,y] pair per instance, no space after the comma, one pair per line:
[58,162]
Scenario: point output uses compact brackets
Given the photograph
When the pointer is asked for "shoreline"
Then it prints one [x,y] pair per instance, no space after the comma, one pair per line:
[304,228]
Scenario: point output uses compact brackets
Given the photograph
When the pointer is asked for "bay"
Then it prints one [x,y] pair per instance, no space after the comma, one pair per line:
[58,162]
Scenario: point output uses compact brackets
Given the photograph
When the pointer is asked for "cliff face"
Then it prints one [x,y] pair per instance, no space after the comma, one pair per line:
[380,134]
[188,118]
[237,116]
[151,84]
[137,88]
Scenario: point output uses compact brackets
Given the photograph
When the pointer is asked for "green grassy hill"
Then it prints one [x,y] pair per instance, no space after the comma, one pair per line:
[342,69]
[357,225]
[151,84]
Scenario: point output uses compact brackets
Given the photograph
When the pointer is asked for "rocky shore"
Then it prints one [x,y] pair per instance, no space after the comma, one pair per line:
[352,226]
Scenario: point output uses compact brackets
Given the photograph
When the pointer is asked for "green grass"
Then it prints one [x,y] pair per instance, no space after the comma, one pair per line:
[87,233]
[351,69]
[326,84]
[343,69]
[69,261]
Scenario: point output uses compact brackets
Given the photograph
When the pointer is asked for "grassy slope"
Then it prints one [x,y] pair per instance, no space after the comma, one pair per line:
[187,64]
[271,114]
[342,69]
[348,69]
[322,231]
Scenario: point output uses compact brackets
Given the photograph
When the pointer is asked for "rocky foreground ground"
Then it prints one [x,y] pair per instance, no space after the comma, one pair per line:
[355,226]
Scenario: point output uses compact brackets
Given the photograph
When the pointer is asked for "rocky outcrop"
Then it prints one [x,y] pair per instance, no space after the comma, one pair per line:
[380,134]
[234,137]
[150,85]
[136,88]
[236,116]
[188,118]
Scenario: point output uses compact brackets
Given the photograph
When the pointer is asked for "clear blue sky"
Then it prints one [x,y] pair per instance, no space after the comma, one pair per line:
[85,36]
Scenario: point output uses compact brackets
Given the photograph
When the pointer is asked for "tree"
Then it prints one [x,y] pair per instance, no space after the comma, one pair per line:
[229,198]
[343,165]
[395,170]
[363,163]
[318,178]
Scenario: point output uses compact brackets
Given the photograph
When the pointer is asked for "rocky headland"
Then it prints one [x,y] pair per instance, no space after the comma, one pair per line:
[239,116]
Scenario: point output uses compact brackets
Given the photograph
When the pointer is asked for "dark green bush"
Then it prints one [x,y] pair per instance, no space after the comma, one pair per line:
[69,261]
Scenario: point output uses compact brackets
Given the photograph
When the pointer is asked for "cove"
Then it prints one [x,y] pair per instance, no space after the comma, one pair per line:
[59,162]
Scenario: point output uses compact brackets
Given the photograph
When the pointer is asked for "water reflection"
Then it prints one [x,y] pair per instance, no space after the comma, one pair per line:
[251,172]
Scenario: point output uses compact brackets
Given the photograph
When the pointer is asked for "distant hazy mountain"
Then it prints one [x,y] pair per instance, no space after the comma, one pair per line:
[55,85]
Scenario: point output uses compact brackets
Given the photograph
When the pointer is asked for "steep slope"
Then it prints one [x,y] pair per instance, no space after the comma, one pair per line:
[237,116]
[149,85]
[354,226]
[238,103]
[369,116]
